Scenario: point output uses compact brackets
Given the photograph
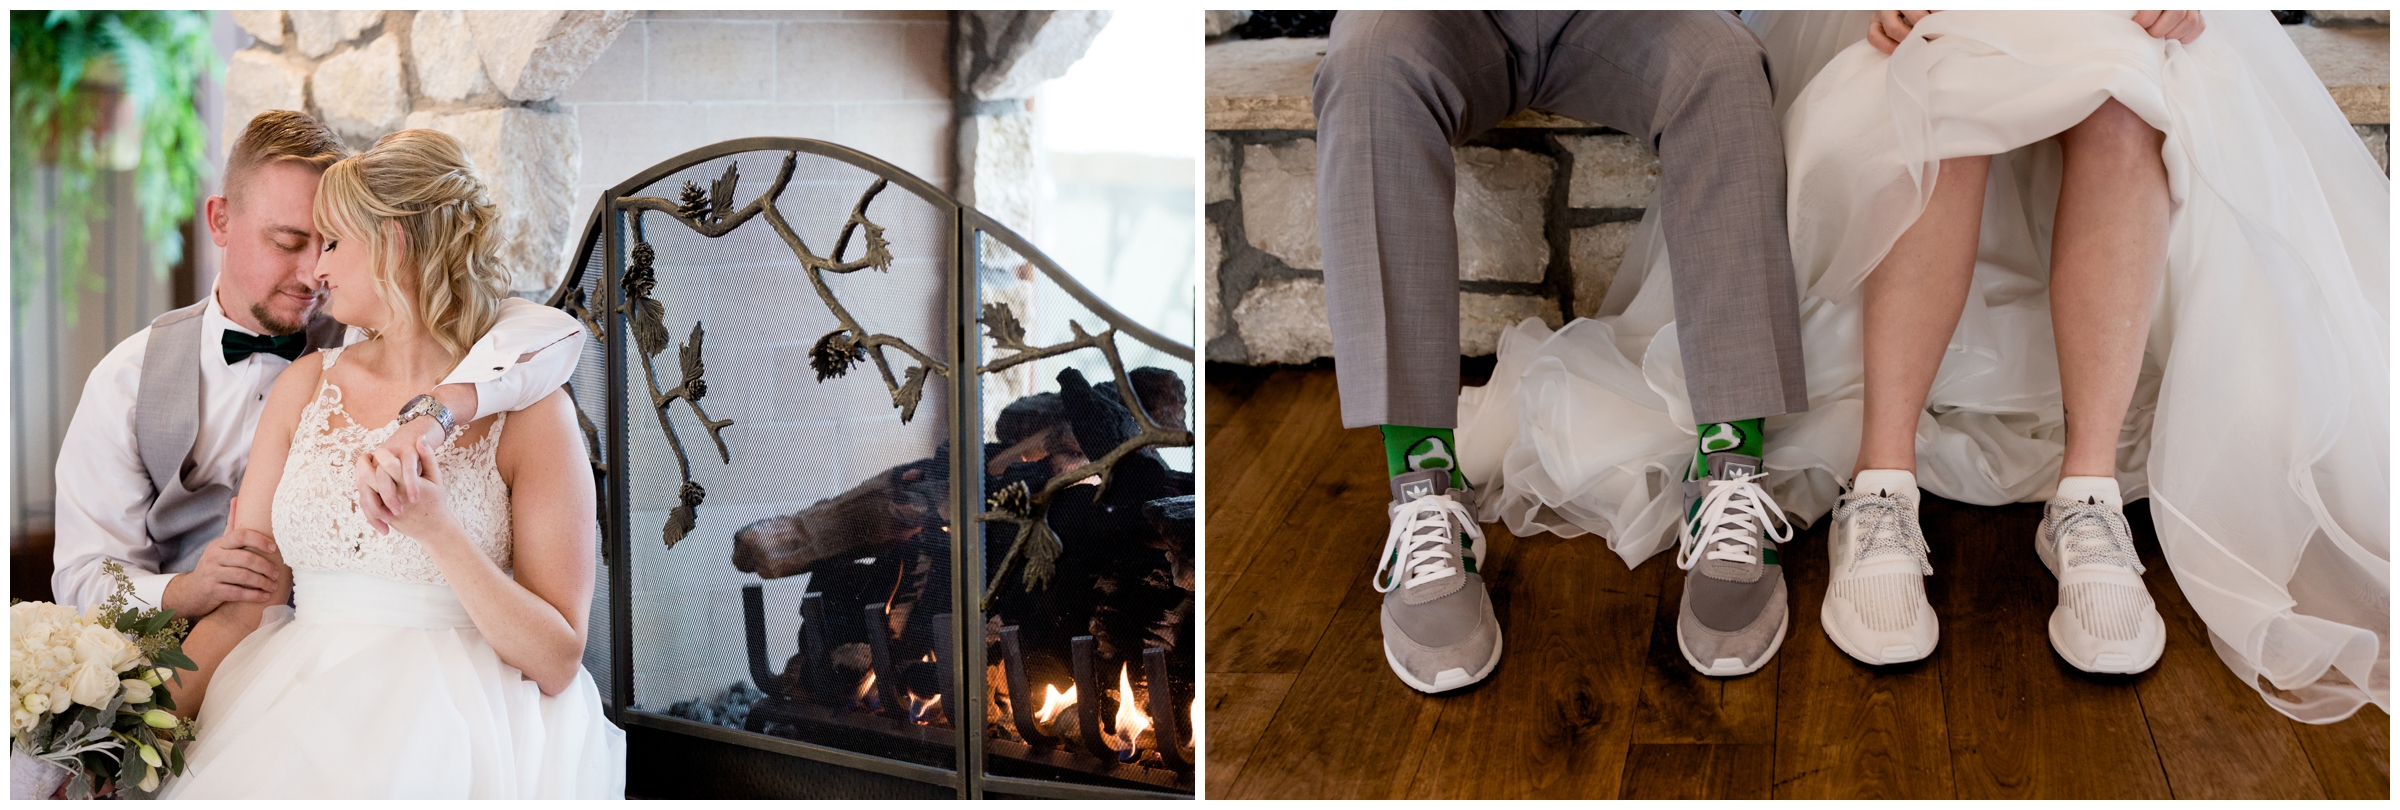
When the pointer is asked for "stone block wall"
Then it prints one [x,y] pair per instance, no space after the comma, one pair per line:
[1546,205]
[674,81]
[488,77]
[1544,216]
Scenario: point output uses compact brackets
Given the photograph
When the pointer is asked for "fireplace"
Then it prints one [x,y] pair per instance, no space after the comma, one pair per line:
[790,339]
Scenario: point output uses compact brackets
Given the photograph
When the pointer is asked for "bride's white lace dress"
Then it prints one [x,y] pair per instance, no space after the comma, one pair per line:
[2260,425]
[378,685]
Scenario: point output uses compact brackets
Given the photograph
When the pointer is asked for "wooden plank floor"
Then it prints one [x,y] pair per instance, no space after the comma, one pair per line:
[1594,701]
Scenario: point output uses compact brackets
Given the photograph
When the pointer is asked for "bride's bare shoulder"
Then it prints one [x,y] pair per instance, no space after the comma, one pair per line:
[296,385]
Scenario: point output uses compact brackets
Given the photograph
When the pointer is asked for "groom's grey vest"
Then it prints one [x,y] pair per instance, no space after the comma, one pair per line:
[185,515]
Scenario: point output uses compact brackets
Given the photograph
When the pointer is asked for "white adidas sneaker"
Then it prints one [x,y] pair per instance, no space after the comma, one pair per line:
[1875,607]
[2105,620]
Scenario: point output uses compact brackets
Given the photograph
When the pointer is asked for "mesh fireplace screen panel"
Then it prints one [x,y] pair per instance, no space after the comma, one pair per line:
[808,594]
[1122,583]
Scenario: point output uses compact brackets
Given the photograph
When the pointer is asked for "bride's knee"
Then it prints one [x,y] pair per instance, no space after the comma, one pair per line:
[2113,125]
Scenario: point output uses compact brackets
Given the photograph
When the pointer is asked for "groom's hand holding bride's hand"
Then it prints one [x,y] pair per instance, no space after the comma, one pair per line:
[409,448]
[1889,27]
[418,501]
[243,565]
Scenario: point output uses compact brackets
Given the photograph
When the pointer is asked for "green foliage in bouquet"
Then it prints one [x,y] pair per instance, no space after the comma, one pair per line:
[89,692]
[67,72]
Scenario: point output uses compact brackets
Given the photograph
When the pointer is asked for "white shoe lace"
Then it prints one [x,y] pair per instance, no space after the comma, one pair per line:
[1427,557]
[1891,531]
[2098,534]
[1733,513]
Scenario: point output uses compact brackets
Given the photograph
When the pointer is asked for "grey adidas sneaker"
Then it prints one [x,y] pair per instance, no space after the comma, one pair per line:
[1735,607]
[1439,631]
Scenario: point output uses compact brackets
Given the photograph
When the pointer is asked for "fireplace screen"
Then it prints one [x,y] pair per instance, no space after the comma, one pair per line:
[795,558]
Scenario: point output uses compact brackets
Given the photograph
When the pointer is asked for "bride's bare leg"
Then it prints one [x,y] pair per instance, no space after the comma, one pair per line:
[2106,260]
[1913,300]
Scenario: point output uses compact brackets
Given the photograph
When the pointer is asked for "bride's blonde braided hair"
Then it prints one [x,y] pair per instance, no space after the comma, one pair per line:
[447,257]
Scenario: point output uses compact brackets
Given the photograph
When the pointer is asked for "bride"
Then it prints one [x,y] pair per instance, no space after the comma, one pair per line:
[441,659]
[2046,257]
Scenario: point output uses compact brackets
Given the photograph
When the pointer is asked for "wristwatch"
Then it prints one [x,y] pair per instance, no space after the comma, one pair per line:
[426,405]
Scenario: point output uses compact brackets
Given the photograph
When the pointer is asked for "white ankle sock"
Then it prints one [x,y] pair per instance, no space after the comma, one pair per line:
[2081,487]
[1897,482]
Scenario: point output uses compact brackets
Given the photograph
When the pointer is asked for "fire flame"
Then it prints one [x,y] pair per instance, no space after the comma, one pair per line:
[924,711]
[865,696]
[1053,702]
[1131,722]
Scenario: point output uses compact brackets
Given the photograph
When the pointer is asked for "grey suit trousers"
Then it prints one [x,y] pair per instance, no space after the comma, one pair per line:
[1398,89]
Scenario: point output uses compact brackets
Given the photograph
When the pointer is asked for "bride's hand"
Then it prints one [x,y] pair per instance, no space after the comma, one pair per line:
[1889,27]
[2181,26]
[419,502]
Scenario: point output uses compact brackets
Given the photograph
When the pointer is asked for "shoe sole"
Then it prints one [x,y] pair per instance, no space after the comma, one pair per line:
[2050,564]
[1729,672]
[1825,619]
[1430,689]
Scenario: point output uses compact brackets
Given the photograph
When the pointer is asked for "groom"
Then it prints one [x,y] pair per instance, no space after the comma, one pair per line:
[1396,91]
[159,443]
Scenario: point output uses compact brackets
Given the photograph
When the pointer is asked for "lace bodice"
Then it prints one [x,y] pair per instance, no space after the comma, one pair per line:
[317,522]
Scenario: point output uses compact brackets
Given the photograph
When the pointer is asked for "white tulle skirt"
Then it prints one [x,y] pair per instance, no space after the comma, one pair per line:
[2260,426]
[383,689]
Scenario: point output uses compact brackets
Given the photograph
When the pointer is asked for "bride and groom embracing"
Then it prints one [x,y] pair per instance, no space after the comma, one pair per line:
[2076,258]
[395,603]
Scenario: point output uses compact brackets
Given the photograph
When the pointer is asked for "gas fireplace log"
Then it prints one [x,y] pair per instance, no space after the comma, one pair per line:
[1164,733]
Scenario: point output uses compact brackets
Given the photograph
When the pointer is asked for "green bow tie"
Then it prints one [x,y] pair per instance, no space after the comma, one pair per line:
[239,347]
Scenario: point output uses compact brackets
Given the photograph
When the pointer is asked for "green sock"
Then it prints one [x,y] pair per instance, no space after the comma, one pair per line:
[1744,436]
[1415,448]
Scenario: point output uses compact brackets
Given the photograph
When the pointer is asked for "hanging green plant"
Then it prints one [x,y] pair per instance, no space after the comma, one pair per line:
[92,92]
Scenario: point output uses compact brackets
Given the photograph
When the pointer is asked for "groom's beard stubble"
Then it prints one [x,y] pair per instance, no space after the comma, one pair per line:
[276,325]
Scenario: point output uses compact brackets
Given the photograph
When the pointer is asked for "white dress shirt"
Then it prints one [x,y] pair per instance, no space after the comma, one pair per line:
[104,492]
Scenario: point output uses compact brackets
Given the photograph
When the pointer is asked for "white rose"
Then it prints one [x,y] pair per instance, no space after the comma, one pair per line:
[105,646]
[135,691]
[93,684]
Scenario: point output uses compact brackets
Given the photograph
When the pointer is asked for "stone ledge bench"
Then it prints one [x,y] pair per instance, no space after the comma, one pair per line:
[1546,204]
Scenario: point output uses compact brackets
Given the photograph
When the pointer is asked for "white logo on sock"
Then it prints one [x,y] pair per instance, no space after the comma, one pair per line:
[1720,437]
[1436,450]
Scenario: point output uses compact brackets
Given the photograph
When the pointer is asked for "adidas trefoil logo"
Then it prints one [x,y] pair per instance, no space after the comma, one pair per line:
[1415,489]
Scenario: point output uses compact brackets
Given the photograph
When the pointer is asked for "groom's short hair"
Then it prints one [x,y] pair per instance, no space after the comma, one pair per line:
[276,136]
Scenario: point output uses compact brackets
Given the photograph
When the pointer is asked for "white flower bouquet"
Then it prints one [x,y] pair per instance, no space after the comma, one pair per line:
[86,694]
